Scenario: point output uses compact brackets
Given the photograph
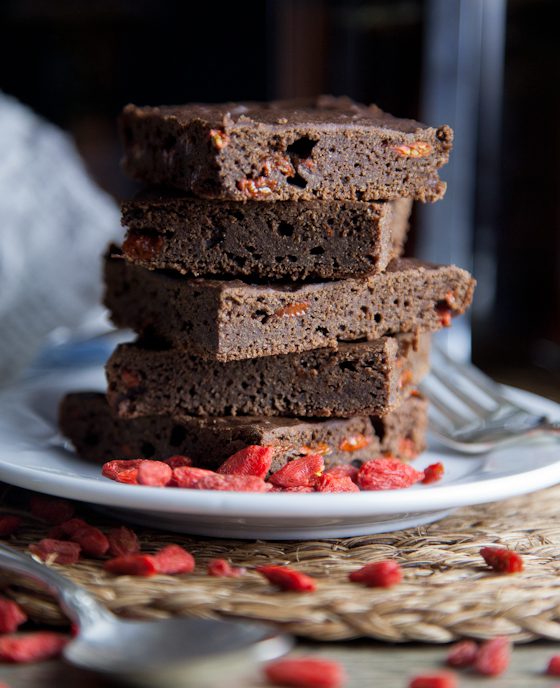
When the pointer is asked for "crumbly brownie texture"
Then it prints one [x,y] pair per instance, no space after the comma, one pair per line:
[368,378]
[86,420]
[280,241]
[232,320]
[328,148]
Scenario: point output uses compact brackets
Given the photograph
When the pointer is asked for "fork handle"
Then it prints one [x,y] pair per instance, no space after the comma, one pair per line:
[81,607]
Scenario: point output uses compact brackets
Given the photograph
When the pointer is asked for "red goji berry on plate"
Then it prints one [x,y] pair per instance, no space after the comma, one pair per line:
[122,470]
[188,476]
[178,460]
[306,672]
[122,541]
[173,559]
[50,509]
[222,567]
[252,460]
[31,647]
[93,542]
[56,551]
[11,615]
[387,474]
[433,473]
[287,578]
[154,473]
[333,483]
[132,565]
[442,679]
[502,560]
[493,657]
[462,654]
[553,667]
[301,472]
[379,574]
[344,470]
[238,483]
[9,524]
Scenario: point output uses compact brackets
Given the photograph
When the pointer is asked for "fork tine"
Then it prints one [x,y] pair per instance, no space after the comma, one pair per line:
[438,402]
[448,382]
[474,375]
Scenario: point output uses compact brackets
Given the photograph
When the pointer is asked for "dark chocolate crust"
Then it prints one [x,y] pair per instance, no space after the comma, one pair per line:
[276,241]
[86,420]
[230,320]
[328,148]
[367,378]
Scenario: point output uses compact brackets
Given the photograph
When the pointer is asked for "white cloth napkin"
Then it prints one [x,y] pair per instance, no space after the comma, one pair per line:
[54,225]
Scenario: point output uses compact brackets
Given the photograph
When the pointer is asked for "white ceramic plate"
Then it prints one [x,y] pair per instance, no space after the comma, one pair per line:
[33,456]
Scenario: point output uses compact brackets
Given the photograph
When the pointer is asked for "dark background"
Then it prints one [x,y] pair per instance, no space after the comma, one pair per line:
[77,63]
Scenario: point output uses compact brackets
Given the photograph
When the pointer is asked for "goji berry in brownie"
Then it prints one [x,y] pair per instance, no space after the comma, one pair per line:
[282,241]
[502,560]
[361,378]
[98,436]
[319,148]
[229,320]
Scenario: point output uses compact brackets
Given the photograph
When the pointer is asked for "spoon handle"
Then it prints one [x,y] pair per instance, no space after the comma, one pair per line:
[81,607]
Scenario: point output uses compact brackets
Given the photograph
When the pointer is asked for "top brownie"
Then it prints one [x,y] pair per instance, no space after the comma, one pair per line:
[328,148]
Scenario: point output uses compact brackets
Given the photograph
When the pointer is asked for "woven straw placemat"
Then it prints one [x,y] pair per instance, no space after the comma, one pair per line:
[447,592]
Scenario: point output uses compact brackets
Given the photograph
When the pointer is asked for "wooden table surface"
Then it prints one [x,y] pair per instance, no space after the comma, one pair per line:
[368,664]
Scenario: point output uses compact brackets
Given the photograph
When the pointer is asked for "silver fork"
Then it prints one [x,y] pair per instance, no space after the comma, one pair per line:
[473,414]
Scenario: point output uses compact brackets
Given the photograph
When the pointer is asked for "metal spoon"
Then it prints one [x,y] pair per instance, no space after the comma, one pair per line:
[177,651]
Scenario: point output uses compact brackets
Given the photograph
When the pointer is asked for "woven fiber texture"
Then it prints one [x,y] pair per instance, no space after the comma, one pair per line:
[447,592]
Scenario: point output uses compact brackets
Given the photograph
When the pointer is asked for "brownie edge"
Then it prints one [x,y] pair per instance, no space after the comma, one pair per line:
[85,419]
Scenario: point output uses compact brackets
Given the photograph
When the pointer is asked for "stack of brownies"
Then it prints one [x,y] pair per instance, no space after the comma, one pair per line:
[261,271]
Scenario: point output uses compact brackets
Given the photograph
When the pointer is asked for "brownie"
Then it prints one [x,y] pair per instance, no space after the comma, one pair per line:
[325,148]
[277,241]
[365,378]
[97,435]
[230,320]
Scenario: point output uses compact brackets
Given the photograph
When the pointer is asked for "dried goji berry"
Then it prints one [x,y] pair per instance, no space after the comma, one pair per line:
[379,574]
[287,578]
[433,473]
[178,460]
[132,565]
[122,470]
[93,542]
[331,483]
[344,470]
[173,559]
[553,667]
[67,529]
[355,442]
[303,471]
[387,474]
[56,551]
[11,615]
[443,679]
[122,541]
[462,654]
[31,647]
[154,473]
[292,310]
[502,560]
[222,567]
[9,524]
[253,460]
[493,657]
[306,672]
[299,488]
[51,510]
[187,476]
[239,483]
